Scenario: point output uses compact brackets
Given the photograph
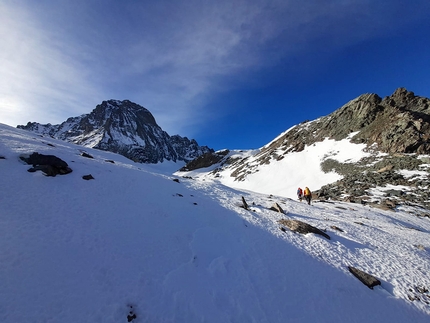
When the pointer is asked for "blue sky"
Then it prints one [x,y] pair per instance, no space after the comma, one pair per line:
[230,74]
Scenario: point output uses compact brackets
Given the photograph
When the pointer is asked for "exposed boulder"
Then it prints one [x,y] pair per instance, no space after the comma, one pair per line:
[276,207]
[50,165]
[365,278]
[302,227]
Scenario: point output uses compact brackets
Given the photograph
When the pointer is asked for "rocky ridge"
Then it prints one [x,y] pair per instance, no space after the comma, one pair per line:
[125,128]
[399,123]
[396,132]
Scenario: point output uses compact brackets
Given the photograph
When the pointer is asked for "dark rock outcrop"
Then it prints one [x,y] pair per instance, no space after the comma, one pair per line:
[206,160]
[359,180]
[50,165]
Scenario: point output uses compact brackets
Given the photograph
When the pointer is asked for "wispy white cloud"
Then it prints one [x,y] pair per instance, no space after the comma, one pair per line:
[61,58]
[39,78]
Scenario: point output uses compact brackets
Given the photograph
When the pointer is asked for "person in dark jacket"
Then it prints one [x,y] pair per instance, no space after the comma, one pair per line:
[300,194]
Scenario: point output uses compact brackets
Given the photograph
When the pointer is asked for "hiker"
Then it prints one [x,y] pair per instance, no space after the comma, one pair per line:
[308,195]
[299,194]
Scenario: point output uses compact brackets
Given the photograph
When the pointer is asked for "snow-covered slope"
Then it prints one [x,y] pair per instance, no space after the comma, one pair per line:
[134,243]
[283,176]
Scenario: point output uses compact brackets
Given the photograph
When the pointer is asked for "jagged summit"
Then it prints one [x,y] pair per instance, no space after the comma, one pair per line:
[126,128]
[399,123]
[123,109]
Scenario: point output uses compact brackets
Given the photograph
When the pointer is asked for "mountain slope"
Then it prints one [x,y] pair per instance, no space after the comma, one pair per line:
[126,128]
[368,144]
[133,243]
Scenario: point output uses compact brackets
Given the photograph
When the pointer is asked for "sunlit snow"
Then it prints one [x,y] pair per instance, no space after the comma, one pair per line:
[134,240]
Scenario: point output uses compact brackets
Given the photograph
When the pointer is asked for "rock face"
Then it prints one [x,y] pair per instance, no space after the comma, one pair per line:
[125,128]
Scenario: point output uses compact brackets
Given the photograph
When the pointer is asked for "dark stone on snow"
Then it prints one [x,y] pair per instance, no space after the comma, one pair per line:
[84,154]
[302,227]
[88,177]
[50,165]
[277,208]
[365,278]
[244,204]
[336,228]
[2,157]
[110,161]
[131,317]
[176,180]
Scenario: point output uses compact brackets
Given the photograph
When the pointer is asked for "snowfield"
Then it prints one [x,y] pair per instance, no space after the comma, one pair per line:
[296,169]
[135,245]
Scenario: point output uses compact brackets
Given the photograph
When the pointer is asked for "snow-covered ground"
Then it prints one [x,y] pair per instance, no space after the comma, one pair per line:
[133,240]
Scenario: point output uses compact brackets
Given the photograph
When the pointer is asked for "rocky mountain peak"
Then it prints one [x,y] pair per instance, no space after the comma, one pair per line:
[118,110]
[399,123]
[126,128]
[401,97]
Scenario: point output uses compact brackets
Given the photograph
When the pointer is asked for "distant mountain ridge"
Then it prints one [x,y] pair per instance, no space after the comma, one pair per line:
[125,128]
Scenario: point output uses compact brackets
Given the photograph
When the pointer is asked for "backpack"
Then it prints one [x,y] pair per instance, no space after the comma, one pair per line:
[307,191]
[299,191]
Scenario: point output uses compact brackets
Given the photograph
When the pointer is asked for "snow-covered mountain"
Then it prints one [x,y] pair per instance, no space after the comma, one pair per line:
[125,128]
[369,145]
[136,244]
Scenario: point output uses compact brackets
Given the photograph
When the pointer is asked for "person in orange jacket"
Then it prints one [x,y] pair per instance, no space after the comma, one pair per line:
[308,195]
